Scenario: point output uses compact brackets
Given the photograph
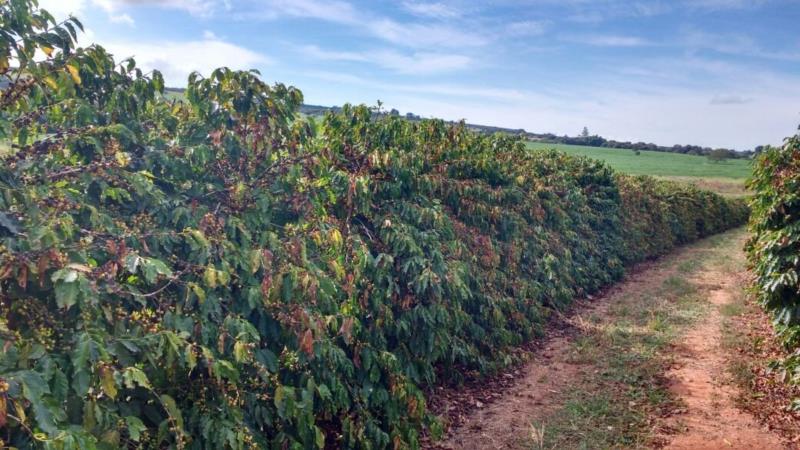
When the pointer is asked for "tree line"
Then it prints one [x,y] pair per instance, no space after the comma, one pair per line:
[588,140]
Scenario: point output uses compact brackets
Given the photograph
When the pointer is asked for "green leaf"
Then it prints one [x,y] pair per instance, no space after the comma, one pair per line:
[135,427]
[191,359]
[152,268]
[82,355]
[132,377]
[268,359]
[132,261]
[33,385]
[47,413]
[241,352]
[172,409]
[108,382]
[210,277]
[280,399]
[8,223]
[224,369]
[67,292]
[74,72]
[324,392]
[319,437]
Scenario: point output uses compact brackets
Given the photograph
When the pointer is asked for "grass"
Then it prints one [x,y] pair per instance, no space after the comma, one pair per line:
[725,177]
[611,407]
[627,352]
[729,187]
[658,163]
[749,340]
[737,340]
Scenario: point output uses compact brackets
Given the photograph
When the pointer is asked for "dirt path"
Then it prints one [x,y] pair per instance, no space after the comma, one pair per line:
[505,421]
[504,418]
[711,420]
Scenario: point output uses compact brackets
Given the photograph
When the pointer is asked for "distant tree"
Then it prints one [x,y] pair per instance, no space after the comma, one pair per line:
[394,112]
[585,132]
[719,155]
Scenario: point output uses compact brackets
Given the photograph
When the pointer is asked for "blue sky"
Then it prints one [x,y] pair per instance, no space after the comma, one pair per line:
[708,72]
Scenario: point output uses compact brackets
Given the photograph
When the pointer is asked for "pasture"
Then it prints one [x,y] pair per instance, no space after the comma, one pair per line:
[726,177]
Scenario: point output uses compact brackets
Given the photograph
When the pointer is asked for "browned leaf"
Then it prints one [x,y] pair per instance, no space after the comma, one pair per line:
[41,267]
[266,256]
[216,137]
[5,272]
[22,276]
[346,329]
[307,343]
[3,409]
[266,283]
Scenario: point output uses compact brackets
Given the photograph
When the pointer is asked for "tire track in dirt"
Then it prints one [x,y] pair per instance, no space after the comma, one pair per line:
[501,418]
[504,421]
[711,419]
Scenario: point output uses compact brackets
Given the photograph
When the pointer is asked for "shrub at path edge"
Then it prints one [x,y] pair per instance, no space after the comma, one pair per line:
[774,248]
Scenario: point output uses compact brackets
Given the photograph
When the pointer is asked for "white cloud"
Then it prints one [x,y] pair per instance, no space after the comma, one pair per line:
[712,102]
[416,63]
[421,62]
[450,90]
[527,28]
[607,40]
[60,9]
[596,11]
[423,35]
[593,11]
[314,52]
[434,10]
[730,100]
[176,60]
[63,8]
[725,4]
[735,44]
[330,11]
[122,18]
[200,8]
[411,34]
[753,106]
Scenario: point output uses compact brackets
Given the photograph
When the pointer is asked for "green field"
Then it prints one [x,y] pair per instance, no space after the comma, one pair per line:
[725,177]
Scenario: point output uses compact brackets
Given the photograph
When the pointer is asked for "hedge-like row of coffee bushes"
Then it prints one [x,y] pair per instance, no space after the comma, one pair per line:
[659,215]
[218,273]
[774,248]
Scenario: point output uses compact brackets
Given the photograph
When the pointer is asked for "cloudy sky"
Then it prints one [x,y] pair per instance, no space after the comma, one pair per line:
[708,72]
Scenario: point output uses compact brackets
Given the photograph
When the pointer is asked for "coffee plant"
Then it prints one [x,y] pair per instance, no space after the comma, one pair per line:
[217,272]
[774,248]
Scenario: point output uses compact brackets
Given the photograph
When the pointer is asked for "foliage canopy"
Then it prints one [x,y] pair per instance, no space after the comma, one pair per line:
[220,273]
[774,248]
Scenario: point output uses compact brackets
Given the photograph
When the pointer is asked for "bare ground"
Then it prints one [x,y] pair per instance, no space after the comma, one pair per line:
[500,413]
[752,345]
[711,419]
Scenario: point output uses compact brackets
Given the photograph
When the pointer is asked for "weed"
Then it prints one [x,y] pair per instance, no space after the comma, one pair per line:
[628,347]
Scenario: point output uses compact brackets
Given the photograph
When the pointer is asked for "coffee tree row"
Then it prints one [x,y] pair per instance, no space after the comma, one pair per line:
[774,248]
[217,272]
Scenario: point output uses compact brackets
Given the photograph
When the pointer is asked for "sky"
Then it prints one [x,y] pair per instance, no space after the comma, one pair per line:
[717,73]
